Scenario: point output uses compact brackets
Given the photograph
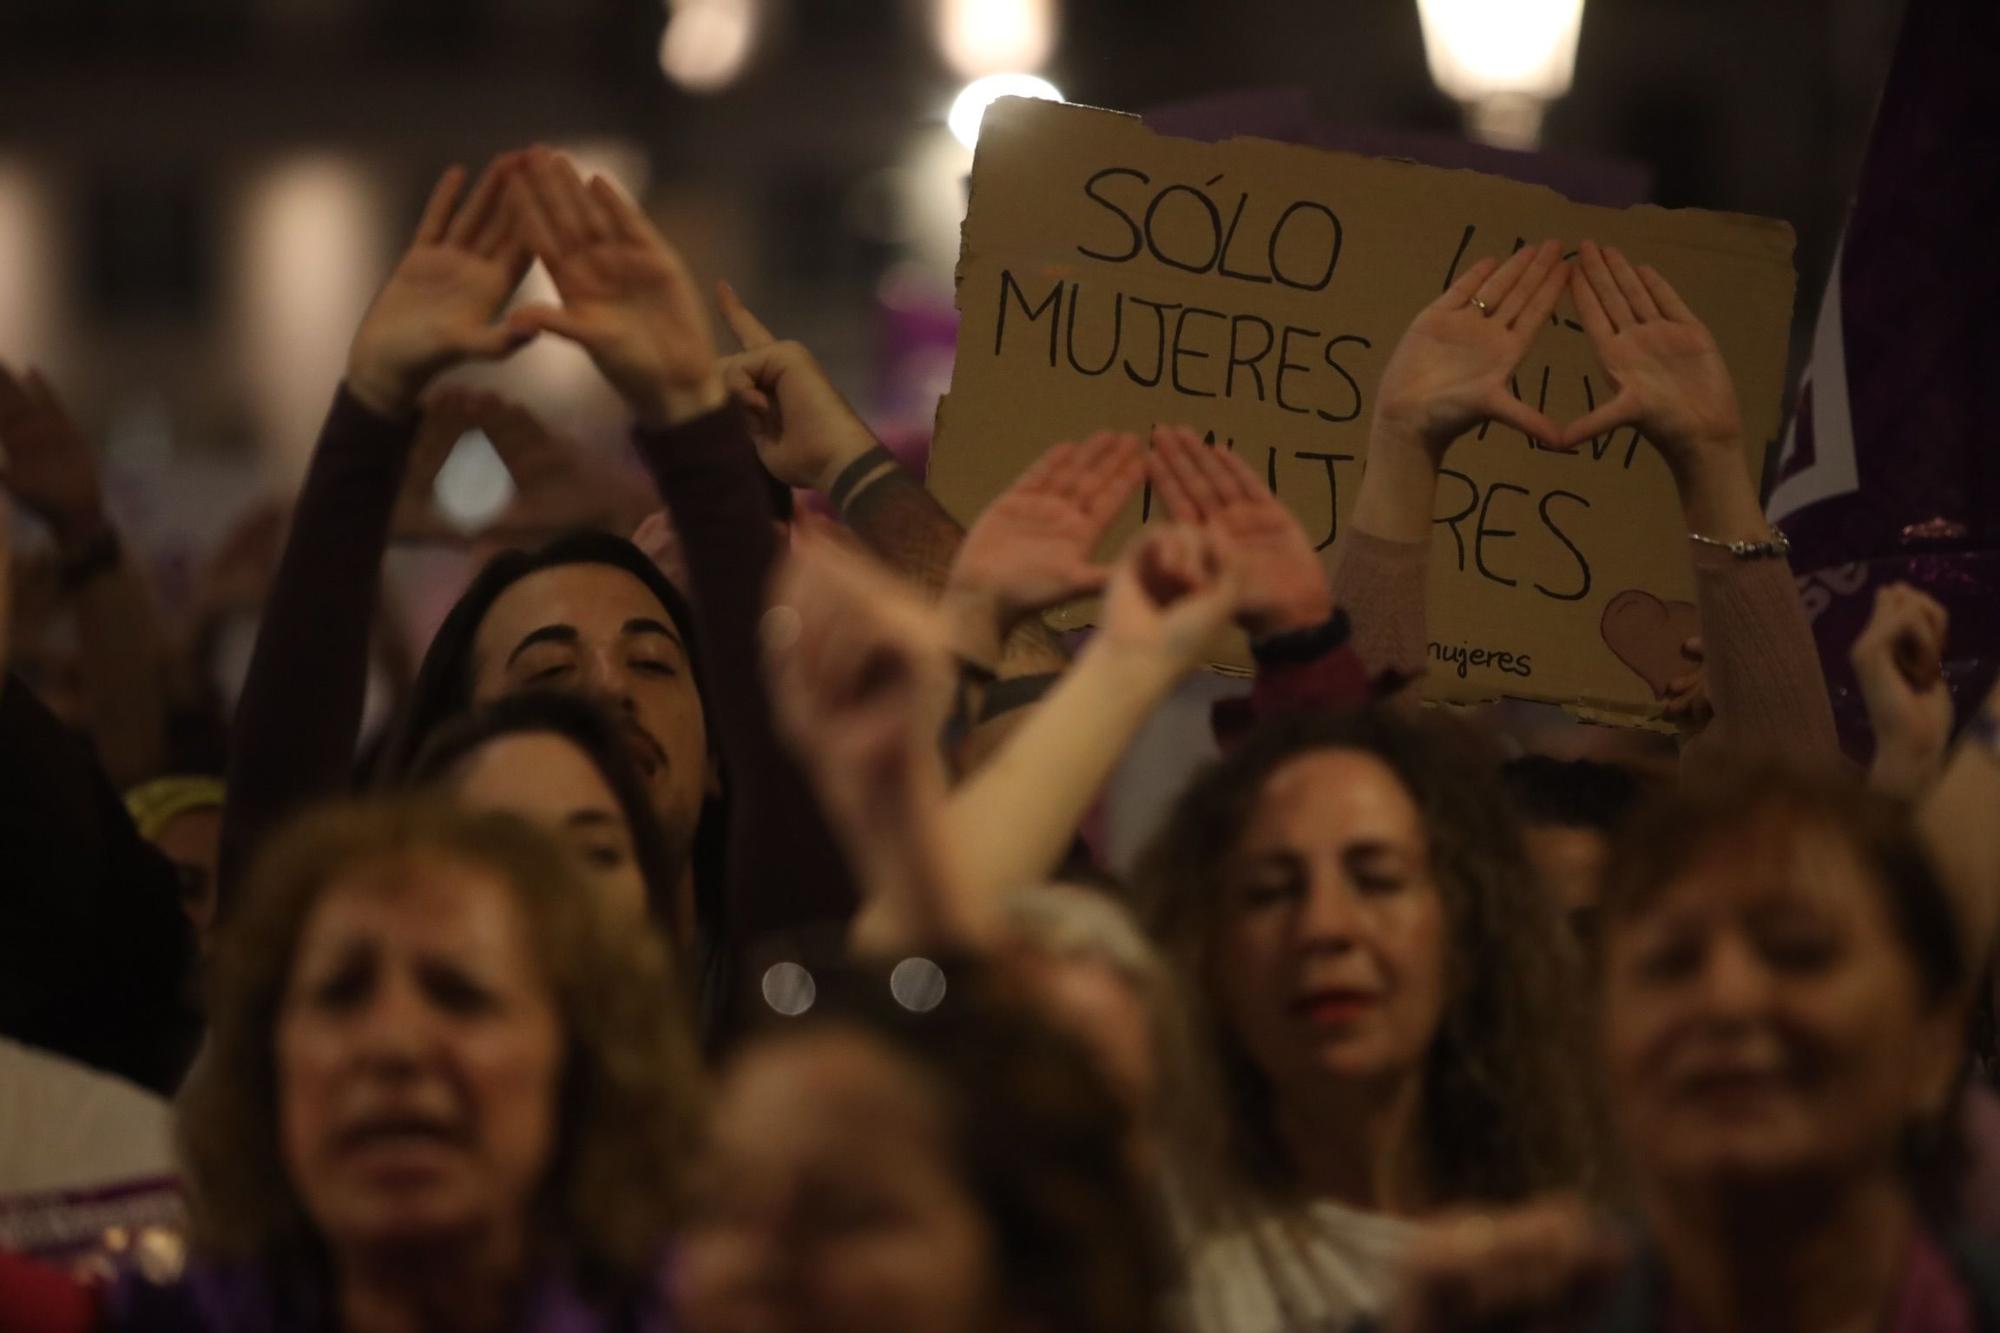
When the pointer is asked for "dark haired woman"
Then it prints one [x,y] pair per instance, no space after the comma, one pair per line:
[589,614]
[563,763]
[1387,1005]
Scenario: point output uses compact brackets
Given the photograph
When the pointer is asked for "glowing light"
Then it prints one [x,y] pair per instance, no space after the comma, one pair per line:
[707,42]
[307,255]
[918,985]
[474,485]
[970,107]
[1483,48]
[789,989]
[987,36]
[1506,60]
[31,263]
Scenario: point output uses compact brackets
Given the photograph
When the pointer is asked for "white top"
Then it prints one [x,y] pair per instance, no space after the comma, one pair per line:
[64,1126]
[1308,1270]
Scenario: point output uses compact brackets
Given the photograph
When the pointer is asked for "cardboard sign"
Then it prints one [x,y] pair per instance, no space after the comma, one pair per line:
[1111,277]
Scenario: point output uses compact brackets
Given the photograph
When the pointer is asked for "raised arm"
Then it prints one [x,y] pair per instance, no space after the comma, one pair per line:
[1764,675]
[861,674]
[628,301]
[1168,598]
[810,438]
[1899,660]
[1956,820]
[50,469]
[1298,639]
[1449,372]
[300,714]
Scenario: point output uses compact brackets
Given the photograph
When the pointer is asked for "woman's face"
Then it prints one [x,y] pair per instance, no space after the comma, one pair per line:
[599,631]
[828,1201]
[418,1060]
[1762,1019]
[548,781]
[1331,956]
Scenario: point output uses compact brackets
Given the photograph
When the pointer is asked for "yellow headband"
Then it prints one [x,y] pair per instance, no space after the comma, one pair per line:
[155,804]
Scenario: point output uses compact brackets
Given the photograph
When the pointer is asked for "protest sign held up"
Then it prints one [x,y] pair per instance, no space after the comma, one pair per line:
[1113,277]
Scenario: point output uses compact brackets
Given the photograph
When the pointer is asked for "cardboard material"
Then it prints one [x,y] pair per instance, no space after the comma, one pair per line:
[1114,277]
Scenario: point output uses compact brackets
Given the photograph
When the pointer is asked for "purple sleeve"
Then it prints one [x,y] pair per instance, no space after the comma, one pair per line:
[299,719]
[785,872]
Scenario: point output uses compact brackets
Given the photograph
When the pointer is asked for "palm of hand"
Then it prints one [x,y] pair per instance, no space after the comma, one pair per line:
[435,303]
[641,321]
[1446,372]
[1676,377]
[1033,551]
[1278,564]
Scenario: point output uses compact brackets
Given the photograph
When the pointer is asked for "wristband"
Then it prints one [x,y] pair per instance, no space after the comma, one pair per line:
[1303,645]
[99,555]
[854,474]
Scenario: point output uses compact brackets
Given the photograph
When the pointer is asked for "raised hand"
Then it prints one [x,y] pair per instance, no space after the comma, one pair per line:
[447,416]
[859,668]
[861,680]
[804,430]
[627,298]
[1898,659]
[1284,583]
[1450,370]
[48,466]
[1031,548]
[1169,597]
[1668,376]
[438,306]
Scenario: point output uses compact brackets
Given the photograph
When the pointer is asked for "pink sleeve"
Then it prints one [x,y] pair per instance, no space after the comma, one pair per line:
[1764,675]
[1382,585]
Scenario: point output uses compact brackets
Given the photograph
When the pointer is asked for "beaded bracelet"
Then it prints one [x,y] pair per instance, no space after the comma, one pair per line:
[1775,547]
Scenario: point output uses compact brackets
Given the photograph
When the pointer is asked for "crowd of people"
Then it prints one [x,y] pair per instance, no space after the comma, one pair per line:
[715,938]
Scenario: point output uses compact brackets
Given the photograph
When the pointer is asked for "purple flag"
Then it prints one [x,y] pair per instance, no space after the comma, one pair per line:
[1890,469]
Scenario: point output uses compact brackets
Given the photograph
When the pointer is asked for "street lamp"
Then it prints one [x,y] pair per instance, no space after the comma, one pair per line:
[1503,60]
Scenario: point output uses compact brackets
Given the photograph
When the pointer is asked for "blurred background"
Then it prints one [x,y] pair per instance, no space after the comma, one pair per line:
[198,197]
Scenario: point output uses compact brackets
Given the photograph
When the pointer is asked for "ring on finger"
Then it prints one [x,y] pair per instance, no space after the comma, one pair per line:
[1482,307]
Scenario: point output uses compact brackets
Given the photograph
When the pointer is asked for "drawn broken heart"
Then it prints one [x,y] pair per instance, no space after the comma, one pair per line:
[1647,635]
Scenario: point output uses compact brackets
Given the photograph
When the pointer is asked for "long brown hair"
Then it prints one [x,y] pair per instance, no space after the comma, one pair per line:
[1507,1110]
[631,1097]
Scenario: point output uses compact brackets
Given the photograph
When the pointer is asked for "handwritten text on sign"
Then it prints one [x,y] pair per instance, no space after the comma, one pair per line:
[1112,277]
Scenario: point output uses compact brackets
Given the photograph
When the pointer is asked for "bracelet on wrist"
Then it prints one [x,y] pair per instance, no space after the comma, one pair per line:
[854,474]
[1775,547]
[1303,645]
